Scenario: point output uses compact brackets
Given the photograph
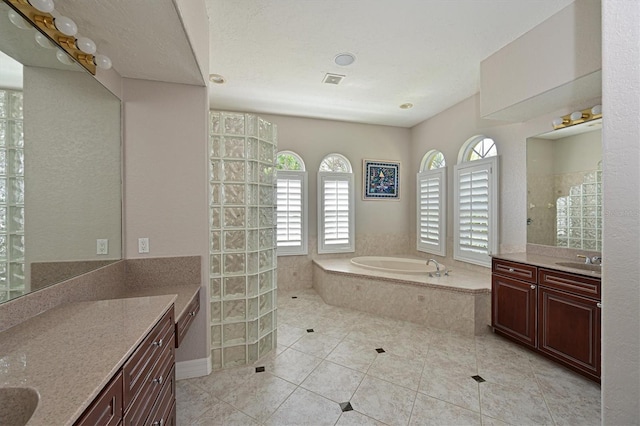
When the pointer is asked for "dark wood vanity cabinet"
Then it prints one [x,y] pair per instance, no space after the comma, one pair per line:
[514,294]
[185,320]
[143,391]
[554,313]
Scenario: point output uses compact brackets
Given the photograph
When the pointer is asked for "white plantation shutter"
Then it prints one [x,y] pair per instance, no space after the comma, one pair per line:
[431,214]
[335,212]
[291,214]
[476,211]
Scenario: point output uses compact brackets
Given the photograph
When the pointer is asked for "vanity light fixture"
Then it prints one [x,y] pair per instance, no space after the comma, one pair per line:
[578,117]
[60,31]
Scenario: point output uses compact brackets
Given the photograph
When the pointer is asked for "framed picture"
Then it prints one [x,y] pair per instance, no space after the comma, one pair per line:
[381,180]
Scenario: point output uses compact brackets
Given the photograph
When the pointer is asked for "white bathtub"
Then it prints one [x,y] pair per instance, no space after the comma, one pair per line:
[398,265]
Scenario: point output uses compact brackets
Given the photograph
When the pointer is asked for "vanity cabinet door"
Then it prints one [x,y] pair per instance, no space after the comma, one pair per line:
[569,329]
[106,410]
[184,322]
[514,309]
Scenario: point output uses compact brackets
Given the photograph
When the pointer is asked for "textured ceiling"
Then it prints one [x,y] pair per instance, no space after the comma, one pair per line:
[274,54]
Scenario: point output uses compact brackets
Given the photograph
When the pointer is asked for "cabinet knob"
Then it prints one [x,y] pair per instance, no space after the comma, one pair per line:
[511,269]
[158,422]
[533,287]
[599,304]
[158,343]
[193,314]
[158,380]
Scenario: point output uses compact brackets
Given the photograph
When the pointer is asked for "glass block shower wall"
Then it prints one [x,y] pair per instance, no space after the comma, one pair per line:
[12,272]
[579,215]
[242,242]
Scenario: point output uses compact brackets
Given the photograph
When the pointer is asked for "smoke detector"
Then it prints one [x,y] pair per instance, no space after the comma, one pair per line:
[333,78]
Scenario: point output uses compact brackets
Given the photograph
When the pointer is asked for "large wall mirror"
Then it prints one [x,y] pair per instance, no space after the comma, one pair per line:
[60,164]
[564,187]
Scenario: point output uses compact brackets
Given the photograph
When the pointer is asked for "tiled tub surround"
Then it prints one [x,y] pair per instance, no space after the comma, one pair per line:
[460,302]
[69,353]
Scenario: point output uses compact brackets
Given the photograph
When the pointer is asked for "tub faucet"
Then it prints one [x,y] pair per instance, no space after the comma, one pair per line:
[435,262]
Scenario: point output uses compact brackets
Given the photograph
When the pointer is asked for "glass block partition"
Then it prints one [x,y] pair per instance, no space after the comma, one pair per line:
[243,292]
[12,272]
[579,215]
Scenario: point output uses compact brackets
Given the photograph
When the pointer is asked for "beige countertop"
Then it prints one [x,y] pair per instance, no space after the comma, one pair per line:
[69,353]
[549,262]
[459,280]
[184,294]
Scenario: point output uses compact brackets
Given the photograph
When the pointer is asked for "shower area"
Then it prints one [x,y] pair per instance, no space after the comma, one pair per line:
[242,276]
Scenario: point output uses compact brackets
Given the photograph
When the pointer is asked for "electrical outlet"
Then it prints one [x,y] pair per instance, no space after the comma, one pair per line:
[143,245]
[102,246]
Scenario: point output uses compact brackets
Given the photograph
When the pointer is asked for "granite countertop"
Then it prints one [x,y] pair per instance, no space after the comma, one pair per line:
[69,353]
[549,262]
[183,292]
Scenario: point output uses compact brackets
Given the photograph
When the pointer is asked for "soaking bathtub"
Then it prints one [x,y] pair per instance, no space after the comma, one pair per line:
[401,288]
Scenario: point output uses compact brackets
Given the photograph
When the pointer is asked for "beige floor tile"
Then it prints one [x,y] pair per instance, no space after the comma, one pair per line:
[400,371]
[448,359]
[293,366]
[354,418]
[453,386]
[518,406]
[490,421]
[431,411]
[288,334]
[260,396]
[305,408]
[222,414]
[384,401]
[192,402]
[354,355]
[317,344]
[333,381]
[220,382]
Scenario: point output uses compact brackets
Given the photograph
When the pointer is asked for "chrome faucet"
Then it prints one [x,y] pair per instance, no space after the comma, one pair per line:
[438,265]
[594,260]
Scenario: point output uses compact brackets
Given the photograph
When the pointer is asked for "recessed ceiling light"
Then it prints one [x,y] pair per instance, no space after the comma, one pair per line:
[216,78]
[406,106]
[344,59]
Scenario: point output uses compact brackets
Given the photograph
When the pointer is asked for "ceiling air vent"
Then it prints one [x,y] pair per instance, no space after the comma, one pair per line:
[333,78]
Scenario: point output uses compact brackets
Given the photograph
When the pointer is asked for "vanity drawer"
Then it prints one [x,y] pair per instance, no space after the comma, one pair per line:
[184,322]
[107,408]
[161,376]
[573,283]
[138,367]
[515,270]
[161,410]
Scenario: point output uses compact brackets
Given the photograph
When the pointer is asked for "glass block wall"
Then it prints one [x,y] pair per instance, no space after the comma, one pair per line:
[12,272]
[242,152]
[579,215]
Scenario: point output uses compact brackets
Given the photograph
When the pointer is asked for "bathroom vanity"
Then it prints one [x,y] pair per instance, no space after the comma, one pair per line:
[550,308]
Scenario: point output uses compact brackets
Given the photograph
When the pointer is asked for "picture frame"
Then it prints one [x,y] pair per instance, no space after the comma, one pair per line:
[381,180]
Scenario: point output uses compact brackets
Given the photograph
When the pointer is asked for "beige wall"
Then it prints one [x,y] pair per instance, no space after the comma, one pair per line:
[578,153]
[165,191]
[621,179]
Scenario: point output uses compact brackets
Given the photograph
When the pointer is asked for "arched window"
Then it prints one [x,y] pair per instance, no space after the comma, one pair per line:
[476,194]
[336,226]
[432,201]
[291,204]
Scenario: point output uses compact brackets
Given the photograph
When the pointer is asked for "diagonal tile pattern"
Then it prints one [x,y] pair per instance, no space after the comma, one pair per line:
[424,376]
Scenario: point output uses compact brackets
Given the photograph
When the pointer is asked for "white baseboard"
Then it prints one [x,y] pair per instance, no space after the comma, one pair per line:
[193,368]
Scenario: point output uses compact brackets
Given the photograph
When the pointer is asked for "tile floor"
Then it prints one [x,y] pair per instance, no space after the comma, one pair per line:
[385,372]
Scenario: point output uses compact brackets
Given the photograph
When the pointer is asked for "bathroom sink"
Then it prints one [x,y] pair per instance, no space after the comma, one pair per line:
[17,405]
[583,266]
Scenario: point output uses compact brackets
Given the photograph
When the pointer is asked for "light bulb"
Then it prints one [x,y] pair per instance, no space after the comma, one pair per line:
[102,61]
[66,26]
[576,115]
[64,58]
[43,41]
[558,121]
[596,110]
[45,6]
[18,20]
[86,45]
